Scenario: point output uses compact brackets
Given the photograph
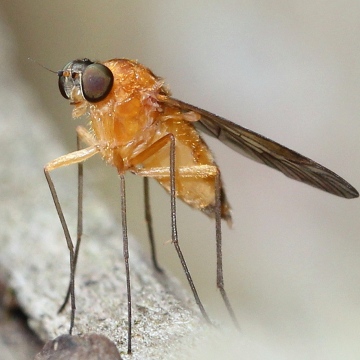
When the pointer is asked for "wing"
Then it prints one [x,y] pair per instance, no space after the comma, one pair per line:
[268,152]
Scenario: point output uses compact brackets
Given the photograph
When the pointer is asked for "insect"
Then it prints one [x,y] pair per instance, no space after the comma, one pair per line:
[136,126]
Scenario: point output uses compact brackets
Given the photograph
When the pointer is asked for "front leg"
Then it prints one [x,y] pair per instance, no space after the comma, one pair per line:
[65,160]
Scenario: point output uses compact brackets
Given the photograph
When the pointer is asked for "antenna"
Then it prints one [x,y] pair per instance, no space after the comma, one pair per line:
[43,66]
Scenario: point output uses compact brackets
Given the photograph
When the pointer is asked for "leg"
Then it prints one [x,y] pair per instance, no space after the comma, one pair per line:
[204,171]
[149,224]
[72,158]
[126,254]
[219,266]
[79,222]
[183,172]
[69,244]
[174,234]
[169,172]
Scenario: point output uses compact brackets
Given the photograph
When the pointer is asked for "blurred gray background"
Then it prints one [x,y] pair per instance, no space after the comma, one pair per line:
[289,70]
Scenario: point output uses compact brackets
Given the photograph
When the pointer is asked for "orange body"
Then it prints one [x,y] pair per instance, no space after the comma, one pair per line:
[135,115]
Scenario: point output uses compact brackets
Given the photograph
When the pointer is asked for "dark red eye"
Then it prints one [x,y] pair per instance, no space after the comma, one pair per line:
[96,81]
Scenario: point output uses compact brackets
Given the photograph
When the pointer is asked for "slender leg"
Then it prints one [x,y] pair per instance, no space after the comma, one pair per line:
[75,157]
[174,234]
[206,171]
[79,223]
[165,172]
[69,244]
[126,254]
[149,224]
[219,265]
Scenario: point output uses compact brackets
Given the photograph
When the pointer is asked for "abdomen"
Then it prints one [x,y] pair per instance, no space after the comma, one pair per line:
[197,191]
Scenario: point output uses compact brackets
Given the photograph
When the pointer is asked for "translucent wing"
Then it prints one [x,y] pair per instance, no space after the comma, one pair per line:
[269,152]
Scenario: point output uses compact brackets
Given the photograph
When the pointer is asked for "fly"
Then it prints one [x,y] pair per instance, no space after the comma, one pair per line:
[136,126]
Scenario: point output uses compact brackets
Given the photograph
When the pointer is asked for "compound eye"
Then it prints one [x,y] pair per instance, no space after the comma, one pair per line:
[96,81]
[62,85]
